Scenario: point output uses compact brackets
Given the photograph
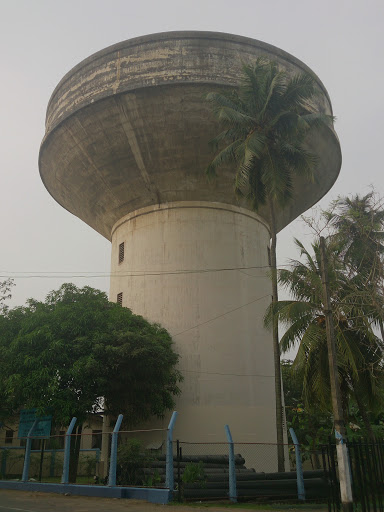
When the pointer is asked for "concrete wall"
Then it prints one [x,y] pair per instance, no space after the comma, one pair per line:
[215,317]
[166,58]
[160,496]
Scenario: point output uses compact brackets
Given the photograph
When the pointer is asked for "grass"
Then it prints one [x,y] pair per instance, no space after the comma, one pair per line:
[301,507]
[81,480]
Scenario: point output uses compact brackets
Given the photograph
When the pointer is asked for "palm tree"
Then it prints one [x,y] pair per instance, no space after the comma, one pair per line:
[358,348]
[265,124]
[358,230]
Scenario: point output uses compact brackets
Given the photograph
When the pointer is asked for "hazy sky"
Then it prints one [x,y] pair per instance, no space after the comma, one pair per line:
[40,40]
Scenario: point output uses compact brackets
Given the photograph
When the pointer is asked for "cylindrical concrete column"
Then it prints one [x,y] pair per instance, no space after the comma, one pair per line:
[200,269]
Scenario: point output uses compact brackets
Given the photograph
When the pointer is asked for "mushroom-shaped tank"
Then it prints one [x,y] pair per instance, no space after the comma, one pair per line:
[125,149]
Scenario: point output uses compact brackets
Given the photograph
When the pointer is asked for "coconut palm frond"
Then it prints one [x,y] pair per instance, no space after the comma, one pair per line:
[299,90]
[227,136]
[298,158]
[318,119]
[288,312]
[231,117]
[275,87]
[226,155]
[294,334]
[220,100]
[256,142]
[276,177]
[254,89]
[257,192]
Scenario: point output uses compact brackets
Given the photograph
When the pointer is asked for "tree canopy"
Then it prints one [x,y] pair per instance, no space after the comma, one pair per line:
[355,262]
[5,293]
[68,355]
[265,124]
[357,232]
[359,350]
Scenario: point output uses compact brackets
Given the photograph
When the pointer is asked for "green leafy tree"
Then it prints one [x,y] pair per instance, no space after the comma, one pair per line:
[359,350]
[75,352]
[5,294]
[265,124]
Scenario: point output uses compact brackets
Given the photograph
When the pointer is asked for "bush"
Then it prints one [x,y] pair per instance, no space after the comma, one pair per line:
[194,473]
[132,458]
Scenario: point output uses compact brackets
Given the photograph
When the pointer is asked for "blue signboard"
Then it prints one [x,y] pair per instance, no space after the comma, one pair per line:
[42,428]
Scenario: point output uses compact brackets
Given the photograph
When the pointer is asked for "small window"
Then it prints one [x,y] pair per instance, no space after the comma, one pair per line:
[120,298]
[8,436]
[269,256]
[121,252]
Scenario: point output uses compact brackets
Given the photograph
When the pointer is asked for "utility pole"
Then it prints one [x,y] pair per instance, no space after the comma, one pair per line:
[338,417]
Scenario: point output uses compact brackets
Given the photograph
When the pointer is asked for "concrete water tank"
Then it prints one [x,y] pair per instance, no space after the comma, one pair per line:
[125,150]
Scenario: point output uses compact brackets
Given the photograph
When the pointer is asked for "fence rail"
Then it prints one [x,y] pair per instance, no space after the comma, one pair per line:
[140,459]
[227,469]
[46,466]
[366,460]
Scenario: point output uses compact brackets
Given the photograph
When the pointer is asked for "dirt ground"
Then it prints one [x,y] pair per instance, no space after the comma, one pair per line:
[26,501]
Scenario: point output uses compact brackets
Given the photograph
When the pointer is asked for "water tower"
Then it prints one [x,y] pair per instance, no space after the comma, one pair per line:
[125,150]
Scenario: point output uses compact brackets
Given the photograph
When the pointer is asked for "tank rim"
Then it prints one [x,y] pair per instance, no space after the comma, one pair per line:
[188,34]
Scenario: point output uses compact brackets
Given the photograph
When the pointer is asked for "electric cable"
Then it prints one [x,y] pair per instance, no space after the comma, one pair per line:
[220,316]
[132,273]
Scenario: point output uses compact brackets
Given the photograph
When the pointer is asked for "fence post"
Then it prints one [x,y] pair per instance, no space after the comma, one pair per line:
[178,471]
[113,460]
[232,468]
[169,477]
[65,476]
[27,457]
[299,467]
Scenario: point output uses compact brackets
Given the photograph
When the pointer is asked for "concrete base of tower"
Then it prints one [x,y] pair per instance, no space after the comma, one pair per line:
[200,269]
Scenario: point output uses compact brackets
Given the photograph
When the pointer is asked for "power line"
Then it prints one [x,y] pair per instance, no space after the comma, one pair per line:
[220,316]
[138,273]
[228,374]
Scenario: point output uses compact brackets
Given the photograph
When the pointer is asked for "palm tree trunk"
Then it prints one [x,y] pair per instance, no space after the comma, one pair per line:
[276,346]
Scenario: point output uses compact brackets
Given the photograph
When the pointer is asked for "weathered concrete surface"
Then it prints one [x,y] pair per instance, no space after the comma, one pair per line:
[215,316]
[128,127]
